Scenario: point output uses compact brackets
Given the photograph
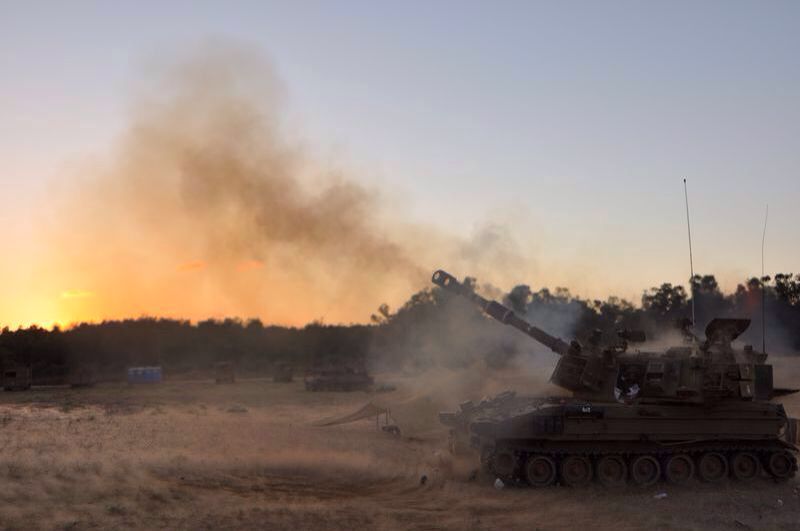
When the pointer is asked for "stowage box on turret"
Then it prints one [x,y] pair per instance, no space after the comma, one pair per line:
[702,409]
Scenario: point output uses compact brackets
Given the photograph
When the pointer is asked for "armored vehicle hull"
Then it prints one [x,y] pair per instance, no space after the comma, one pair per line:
[17,378]
[282,373]
[338,379]
[539,442]
[224,373]
[83,377]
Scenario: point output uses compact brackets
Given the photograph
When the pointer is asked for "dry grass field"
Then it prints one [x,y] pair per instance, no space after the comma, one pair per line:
[195,455]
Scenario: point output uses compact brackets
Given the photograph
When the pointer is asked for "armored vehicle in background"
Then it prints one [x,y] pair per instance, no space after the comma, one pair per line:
[338,378]
[16,377]
[282,373]
[224,372]
[701,409]
[82,376]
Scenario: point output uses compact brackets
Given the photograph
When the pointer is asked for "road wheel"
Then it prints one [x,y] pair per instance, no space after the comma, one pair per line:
[540,471]
[576,470]
[745,466]
[612,471]
[679,469]
[487,452]
[503,464]
[781,464]
[712,467]
[645,470]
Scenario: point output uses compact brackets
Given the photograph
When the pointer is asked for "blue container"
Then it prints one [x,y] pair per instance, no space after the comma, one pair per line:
[137,375]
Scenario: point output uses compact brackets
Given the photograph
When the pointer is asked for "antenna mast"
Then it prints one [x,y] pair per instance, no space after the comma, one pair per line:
[763,287]
[691,264]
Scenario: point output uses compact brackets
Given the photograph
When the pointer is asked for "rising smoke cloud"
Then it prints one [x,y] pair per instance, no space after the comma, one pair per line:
[207,207]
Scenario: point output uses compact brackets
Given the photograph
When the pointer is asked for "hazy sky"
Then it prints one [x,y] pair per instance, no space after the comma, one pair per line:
[573,121]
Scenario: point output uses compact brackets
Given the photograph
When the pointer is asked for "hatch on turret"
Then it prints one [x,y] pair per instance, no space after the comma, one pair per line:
[725,330]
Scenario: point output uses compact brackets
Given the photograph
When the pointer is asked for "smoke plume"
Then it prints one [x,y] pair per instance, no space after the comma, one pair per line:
[207,208]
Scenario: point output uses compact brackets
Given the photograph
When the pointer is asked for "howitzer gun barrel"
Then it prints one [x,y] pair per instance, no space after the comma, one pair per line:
[499,312]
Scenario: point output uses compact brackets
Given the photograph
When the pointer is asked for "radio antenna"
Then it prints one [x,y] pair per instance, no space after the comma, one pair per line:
[764,287]
[691,264]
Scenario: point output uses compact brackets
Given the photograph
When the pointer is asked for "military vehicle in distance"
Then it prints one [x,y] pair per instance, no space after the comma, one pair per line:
[338,378]
[702,409]
[282,373]
[82,376]
[224,372]
[17,377]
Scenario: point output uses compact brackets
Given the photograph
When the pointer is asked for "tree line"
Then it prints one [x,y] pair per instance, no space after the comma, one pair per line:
[432,328]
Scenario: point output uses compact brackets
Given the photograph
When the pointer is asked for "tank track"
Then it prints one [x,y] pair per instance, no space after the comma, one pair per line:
[644,463]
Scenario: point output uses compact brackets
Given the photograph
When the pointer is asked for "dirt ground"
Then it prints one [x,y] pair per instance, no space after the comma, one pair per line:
[195,455]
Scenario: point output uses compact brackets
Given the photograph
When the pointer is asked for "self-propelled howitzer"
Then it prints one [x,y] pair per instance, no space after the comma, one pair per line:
[699,408]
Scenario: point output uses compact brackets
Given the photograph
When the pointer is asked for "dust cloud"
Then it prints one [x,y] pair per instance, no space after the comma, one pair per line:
[205,199]
[457,353]
[209,206]
[121,464]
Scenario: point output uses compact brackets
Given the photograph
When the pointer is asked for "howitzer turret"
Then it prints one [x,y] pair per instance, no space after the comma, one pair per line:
[694,371]
[702,407]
